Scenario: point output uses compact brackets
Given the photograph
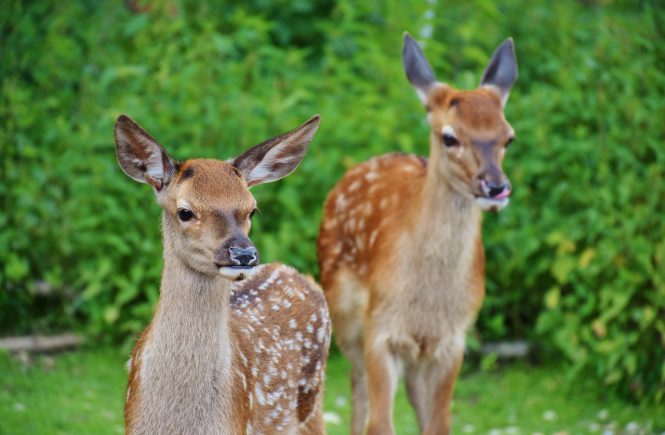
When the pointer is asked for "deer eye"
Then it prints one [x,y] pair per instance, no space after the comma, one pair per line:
[185,215]
[449,140]
[508,142]
[252,213]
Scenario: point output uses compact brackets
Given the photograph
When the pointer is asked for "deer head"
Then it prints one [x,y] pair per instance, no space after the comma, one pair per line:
[207,205]
[469,132]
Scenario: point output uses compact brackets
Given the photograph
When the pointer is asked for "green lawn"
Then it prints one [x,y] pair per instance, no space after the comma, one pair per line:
[83,392]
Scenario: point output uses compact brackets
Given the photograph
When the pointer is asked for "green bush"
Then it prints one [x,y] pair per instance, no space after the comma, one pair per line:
[584,238]
[574,264]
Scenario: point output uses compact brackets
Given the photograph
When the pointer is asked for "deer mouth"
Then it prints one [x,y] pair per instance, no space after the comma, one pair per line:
[492,196]
[236,273]
[492,204]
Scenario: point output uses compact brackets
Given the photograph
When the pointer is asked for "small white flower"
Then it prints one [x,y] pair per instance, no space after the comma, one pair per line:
[340,401]
[332,418]
[549,415]
[632,427]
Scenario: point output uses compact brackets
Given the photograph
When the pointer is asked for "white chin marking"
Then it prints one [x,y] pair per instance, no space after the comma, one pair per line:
[236,274]
[491,204]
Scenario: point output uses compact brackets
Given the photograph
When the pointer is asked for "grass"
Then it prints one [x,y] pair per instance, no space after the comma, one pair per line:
[73,393]
[82,393]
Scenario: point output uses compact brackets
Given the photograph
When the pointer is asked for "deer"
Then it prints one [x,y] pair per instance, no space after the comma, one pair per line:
[234,346]
[400,247]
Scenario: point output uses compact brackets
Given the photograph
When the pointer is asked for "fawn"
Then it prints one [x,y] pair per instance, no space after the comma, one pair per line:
[400,247]
[233,347]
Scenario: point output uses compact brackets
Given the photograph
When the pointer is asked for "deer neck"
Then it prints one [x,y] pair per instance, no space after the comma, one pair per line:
[193,311]
[186,364]
[194,305]
[446,223]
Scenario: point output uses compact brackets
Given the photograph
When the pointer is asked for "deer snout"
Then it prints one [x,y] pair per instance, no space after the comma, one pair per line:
[237,252]
[243,256]
[236,259]
[496,190]
[492,192]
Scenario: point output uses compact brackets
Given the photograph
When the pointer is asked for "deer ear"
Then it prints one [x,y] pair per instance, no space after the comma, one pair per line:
[140,156]
[501,72]
[417,69]
[277,157]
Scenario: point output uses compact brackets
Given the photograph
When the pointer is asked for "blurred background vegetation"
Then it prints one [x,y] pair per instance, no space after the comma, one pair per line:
[575,265]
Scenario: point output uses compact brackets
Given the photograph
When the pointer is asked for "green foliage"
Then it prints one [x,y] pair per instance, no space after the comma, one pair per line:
[575,263]
[583,241]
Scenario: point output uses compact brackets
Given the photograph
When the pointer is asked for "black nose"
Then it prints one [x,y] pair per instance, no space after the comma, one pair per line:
[243,256]
[493,190]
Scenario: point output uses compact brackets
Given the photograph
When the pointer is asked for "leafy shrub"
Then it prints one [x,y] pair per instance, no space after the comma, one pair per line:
[575,263]
[585,240]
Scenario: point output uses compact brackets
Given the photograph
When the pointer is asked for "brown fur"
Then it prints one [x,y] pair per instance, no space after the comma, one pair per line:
[252,315]
[402,262]
[222,357]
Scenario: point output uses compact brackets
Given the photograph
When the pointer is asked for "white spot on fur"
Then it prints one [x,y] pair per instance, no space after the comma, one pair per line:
[351,224]
[372,237]
[330,223]
[259,394]
[355,185]
[320,334]
[340,203]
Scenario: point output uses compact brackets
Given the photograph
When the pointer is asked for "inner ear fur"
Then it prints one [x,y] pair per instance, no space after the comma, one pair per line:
[277,157]
[140,156]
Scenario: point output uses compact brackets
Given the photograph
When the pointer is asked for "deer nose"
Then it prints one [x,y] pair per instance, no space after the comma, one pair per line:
[243,256]
[496,190]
